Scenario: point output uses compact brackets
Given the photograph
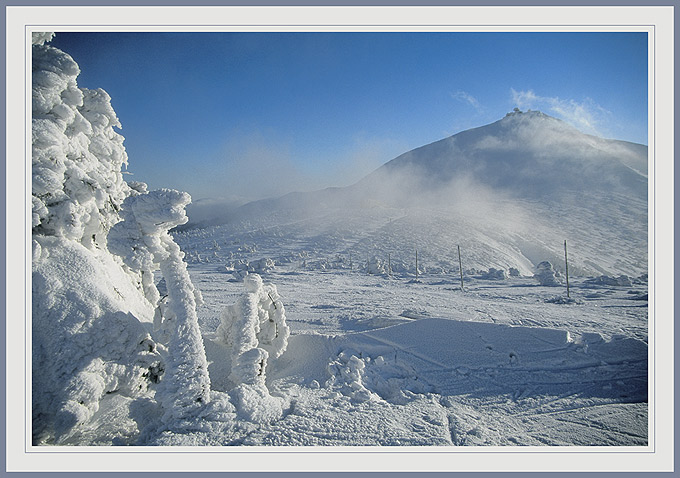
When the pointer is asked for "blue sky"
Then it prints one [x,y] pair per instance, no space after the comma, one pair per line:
[261,114]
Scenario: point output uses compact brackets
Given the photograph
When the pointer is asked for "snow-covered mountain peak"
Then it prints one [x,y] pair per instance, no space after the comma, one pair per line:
[525,154]
[535,120]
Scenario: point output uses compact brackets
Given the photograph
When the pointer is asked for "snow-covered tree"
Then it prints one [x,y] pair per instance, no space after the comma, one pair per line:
[77,156]
[96,244]
[89,338]
[143,241]
[254,328]
[546,275]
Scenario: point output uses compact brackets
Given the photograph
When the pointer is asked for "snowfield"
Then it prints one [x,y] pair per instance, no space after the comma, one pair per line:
[307,320]
[378,360]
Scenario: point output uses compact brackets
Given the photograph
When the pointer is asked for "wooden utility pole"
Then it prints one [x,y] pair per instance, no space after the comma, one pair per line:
[460,266]
[566,266]
[416,264]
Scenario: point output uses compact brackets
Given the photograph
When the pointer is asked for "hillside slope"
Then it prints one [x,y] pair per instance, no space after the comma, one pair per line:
[508,193]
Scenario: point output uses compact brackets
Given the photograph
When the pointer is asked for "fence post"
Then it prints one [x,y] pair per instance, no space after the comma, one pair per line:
[416,264]
[460,266]
[566,266]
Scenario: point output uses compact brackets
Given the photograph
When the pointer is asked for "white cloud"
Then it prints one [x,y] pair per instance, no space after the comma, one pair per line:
[467,98]
[587,116]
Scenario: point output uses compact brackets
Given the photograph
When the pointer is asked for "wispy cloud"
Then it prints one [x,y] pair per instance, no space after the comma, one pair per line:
[467,98]
[585,115]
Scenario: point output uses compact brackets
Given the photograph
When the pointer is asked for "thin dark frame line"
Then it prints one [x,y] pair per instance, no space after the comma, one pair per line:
[358,450]
[411,25]
[654,350]
[25,229]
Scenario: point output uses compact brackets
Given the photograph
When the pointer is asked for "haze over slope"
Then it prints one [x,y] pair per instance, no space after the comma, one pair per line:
[509,193]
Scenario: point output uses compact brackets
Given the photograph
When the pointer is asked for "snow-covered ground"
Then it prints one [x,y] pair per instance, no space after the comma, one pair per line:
[385,360]
[374,360]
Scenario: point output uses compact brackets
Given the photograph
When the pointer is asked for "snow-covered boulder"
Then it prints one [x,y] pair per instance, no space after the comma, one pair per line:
[604,280]
[546,275]
[494,274]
